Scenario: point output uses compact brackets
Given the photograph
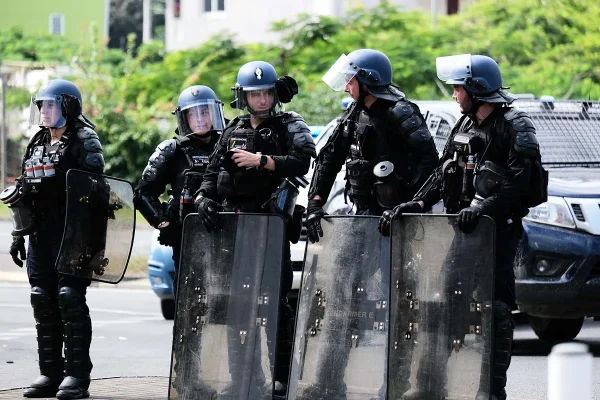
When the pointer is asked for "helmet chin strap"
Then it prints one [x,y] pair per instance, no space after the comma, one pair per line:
[362,94]
[475,104]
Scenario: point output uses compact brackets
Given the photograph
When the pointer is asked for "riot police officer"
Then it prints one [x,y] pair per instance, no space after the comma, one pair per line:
[180,163]
[256,153]
[491,165]
[65,141]
[382,137]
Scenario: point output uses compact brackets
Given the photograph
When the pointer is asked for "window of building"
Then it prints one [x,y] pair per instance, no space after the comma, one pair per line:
[214,5]
[56,24]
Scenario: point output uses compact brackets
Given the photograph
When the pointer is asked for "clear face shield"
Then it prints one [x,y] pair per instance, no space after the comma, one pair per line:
[340,73]
[454,70]
[261,101]
[46,111]
[201,117]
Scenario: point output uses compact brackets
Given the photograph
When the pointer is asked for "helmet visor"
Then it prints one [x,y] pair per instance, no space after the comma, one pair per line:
[340,73]
[201,117]
[46,112]
[453,69]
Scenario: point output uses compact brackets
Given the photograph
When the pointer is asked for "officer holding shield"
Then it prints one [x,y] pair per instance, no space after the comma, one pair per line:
[382,137]
[491,166]
[258,162]
[65,141]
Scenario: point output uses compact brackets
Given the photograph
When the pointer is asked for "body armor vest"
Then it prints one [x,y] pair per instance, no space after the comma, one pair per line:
[234,181]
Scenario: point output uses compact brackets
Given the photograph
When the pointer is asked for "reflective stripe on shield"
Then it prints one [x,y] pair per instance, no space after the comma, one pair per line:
[227,308]
[441,308]
[342,325]
[99,227]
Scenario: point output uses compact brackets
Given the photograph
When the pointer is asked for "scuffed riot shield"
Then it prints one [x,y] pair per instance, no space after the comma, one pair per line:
[227,308]
[441,309]
[342,325]
[99,227]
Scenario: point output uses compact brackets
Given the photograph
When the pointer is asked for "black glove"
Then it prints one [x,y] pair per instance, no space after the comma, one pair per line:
[286,87]
[388,215]
[314,211]
[209,212]
[18,247]
[169,235]
[468,218]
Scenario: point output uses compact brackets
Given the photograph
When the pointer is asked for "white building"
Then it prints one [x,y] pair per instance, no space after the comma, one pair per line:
[188,23]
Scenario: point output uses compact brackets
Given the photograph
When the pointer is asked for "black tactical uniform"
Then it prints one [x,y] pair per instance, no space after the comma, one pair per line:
[392,131]
[180,163]
[286,139]
[59,301]
[388,150]
[489,168]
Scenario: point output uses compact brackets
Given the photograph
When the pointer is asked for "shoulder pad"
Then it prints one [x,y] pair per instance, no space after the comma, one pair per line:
[297,126]
[85,133]
[519,120]
[291,116]
[167,148]
[404,116]
[527,143]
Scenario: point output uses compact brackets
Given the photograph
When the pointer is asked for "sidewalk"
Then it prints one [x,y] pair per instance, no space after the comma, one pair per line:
[125,388]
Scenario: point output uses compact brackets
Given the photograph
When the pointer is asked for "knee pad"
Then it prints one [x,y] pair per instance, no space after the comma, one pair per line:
[43,305]
[69,301]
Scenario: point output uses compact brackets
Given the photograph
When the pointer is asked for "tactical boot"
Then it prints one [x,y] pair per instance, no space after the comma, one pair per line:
[77,338]
[49,337]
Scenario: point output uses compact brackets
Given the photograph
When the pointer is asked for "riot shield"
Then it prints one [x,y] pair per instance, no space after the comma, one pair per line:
[227,308]
[342,324]
[99,227]
[441,309]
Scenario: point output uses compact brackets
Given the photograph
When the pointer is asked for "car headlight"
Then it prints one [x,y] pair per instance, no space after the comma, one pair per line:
[553,212]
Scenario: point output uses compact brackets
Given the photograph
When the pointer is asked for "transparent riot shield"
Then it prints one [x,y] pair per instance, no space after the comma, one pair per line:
[441,309]
[342,323]
[227,308]
[99,227]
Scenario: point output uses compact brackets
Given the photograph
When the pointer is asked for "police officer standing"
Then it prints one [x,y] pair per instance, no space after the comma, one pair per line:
[491,166]
[382,137]
[253,157]
[180,163]
[66,141]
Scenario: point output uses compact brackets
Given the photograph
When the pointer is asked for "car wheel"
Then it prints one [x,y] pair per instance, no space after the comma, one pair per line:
[167,307]
[556,329]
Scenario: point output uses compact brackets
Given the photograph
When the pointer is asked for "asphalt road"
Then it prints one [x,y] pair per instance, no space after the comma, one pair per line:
[132,339]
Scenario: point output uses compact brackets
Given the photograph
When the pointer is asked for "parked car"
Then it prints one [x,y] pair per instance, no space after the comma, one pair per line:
[558,268]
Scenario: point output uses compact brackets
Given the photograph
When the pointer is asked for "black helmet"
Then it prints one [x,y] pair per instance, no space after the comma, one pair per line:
[479,75]
[200,105]
[62,101]
[258,77]
[370,67]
